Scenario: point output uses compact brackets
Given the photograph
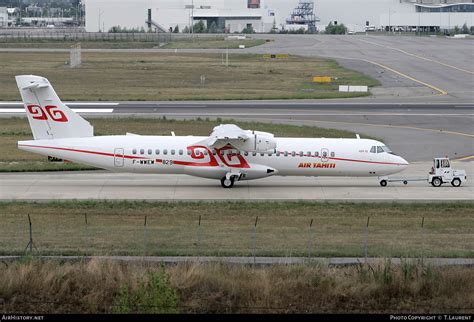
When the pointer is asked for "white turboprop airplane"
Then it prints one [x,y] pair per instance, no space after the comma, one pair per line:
[229,154]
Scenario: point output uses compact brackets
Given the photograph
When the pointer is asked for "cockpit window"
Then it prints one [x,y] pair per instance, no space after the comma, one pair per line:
[373,150]
[379,149]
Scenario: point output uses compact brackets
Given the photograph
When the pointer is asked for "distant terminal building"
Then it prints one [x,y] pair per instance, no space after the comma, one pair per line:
[267,15]
[396,15]
[3,17]
[164,15]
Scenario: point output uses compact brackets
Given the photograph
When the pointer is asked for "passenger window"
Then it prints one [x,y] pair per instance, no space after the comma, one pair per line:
[301,153]
[214,152]
[157,151]
[333,154]
[134,151]
[180,152]
[373,150]
[325,154]
[165,152]
[316,154]
[309,154]
[254,154]
[262,154]
[173,152]
[150,152]
[379,149]
[286,153]
[278,154]
[189,152]
[142,151]
[293,154]
[246,154]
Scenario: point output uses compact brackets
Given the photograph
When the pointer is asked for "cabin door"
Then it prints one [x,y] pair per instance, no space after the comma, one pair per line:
[118,158]
[324,155]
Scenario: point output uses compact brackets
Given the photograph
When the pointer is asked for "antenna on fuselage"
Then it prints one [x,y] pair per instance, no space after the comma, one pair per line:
[358,136]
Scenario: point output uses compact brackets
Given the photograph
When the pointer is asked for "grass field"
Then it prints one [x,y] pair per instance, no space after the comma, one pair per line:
[13,130]
[199,43]
[37,287]
[176,76]
[117,228]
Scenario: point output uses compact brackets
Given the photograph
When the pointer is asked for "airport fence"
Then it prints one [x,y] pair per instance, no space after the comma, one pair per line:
[164,236]
[38,36]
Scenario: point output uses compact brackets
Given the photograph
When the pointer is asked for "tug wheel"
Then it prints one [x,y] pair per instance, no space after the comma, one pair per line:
[456,182]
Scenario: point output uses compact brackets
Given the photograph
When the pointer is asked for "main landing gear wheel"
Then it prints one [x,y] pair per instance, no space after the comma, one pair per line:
[383,183]
[227,183]
[437,182]
[456,182]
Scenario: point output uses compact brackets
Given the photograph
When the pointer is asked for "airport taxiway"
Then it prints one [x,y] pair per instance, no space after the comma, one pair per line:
[102,185]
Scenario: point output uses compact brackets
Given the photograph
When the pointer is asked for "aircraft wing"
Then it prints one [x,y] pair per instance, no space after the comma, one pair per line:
[245,140]
[223,135]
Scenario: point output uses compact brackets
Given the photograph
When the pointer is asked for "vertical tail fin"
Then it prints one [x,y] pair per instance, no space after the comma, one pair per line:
[49,118]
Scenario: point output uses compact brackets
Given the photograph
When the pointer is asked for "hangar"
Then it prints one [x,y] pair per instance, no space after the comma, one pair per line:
[264,15]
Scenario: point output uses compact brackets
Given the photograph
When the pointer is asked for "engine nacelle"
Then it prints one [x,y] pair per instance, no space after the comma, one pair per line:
[259,142]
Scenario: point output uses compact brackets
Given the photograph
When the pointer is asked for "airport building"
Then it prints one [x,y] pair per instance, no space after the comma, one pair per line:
[3,17]
[265,15]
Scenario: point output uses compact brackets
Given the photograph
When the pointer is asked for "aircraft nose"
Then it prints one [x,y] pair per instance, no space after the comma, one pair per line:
[403,162]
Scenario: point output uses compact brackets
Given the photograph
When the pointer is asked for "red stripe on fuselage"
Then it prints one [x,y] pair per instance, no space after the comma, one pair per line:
[363,161]
[81,151]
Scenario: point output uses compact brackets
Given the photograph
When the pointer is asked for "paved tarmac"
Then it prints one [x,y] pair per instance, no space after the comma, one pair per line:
[410,66]
[103,185]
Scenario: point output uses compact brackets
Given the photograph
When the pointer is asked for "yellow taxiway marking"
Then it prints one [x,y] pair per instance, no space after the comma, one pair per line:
[420,57]
[441,91]
[465,158]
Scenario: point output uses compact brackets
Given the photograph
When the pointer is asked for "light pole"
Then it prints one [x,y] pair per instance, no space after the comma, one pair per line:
[418,29]
[389,25]
[389,19]
[20,12]
[100,14]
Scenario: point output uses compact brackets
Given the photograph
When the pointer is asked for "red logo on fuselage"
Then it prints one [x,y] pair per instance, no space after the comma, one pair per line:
[229,158]
[38,113]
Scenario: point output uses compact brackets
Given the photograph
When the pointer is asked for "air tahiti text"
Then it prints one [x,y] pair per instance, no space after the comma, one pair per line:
[317,165]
